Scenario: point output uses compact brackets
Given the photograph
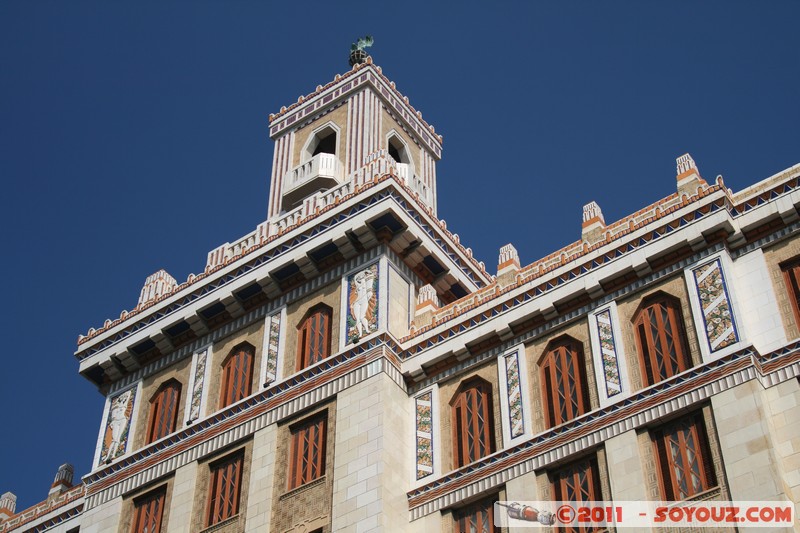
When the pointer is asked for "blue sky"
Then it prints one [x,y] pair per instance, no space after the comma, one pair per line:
[133,137]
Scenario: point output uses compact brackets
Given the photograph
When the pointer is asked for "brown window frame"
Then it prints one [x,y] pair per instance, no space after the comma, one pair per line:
[571,472]
[314,345]
[164,407]
[306,435]
[561,356]
[649,358]
[237,385]
[791,277]
[677,431]
[474,397]
[224,488]
[478,515]
[143,518]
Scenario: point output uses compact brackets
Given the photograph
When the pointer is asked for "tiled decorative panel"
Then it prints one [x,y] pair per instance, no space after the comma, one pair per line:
[715,303]
[273,342]
[514,392]
[118,425]
[608,353]
[362,303]
[424,414]
[198,384]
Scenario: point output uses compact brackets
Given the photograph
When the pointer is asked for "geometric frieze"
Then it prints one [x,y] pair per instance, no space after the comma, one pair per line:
[715,304]
[273,343]
[198,385]
[608,353]
[424,434]
[514,394]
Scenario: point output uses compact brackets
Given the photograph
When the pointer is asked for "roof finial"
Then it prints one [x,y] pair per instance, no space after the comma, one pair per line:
[357,53]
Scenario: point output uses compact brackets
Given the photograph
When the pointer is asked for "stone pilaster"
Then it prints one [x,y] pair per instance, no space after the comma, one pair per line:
[180,508]
[748,450]
[262,473]
[103,518]
[625,470]
[372,465]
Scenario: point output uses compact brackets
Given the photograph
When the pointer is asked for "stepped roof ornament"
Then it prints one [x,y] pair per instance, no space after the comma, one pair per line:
[357,53]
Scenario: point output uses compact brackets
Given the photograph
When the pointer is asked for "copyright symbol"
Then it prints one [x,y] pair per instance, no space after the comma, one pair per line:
[565,514]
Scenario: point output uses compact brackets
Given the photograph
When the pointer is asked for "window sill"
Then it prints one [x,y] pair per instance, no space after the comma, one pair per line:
[302,488]
[220,525]
[709,494]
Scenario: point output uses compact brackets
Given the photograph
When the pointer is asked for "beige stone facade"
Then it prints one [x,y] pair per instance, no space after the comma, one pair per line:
[307,507]
[329,296]
[150,386]
[251,336]
[385,458]
[338,117]
[538,349]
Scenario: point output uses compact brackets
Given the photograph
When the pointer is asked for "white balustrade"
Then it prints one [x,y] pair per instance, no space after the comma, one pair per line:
[403,172]
[325,165]
[321,165]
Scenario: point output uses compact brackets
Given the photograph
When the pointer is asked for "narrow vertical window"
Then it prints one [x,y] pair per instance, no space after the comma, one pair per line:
[225,488]
[578,481]
[791,275]
[308,451]
[148,512]
[661,339]
[237,375]
[477,518]
[164,411]
[564,379]
[473,426]
[684,458]
[314,337]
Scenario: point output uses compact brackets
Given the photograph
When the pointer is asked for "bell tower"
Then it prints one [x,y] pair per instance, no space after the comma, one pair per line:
[324,139]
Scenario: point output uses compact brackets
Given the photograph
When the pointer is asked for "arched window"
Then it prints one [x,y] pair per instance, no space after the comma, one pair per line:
[564,381]
[237,375]
[314,337]
[473,427]
[661,339]
[791,275]
[323,141]
[397,150]
[164,411]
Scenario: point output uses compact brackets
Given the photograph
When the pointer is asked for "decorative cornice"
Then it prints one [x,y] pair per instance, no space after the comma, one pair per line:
[263,252]
[614,232]
[46,507]
[593,258]
[355,79]
[557,322]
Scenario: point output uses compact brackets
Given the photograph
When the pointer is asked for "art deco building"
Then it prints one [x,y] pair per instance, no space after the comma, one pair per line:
[349,366]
